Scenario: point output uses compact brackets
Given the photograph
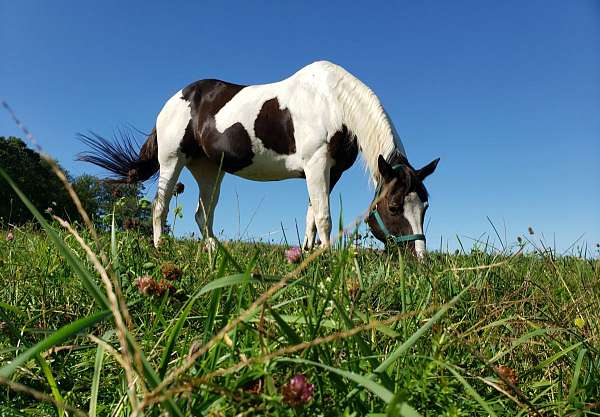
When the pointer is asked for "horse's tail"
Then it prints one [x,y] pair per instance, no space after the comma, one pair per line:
[121,156]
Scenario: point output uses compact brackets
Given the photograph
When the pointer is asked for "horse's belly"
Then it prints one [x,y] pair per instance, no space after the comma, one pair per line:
[269,166]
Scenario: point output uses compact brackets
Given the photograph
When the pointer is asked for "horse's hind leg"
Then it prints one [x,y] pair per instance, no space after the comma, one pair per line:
[171,125]
[208,175]
[170,168]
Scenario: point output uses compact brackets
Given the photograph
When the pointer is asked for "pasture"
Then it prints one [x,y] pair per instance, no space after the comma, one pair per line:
[496,331]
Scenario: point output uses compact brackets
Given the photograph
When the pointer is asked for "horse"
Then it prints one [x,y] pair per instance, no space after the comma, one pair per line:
[311,125]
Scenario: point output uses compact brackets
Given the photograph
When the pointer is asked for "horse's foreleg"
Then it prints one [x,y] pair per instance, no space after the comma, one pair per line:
[317,182]
[170,168]
[209,177]
[311,229]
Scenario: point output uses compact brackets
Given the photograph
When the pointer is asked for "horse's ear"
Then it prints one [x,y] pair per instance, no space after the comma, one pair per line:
[428,169]
[385,169]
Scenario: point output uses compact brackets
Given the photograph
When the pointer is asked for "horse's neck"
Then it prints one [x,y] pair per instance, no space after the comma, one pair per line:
[364,115]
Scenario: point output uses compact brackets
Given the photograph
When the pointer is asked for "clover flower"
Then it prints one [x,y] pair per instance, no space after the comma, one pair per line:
[146,284]
[149,286]
[508,374]
[179,188]
[10,237]
[298,391]
[293,255]
[170,271]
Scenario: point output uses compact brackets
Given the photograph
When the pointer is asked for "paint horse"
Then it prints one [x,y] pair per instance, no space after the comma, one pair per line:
[311,125]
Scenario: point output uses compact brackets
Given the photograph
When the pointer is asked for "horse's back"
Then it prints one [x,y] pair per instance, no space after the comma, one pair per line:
[261,132]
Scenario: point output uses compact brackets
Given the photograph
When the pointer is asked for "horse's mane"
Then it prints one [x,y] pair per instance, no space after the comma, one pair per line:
[364,115]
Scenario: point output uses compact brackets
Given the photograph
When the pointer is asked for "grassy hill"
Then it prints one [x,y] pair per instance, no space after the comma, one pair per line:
[481,333]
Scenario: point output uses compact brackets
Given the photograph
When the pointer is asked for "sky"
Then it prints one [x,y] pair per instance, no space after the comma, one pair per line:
[507,94]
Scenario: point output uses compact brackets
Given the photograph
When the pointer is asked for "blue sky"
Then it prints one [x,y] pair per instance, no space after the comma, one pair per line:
[506,93]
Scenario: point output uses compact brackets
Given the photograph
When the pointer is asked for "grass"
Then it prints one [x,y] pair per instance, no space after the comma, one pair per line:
[480,333]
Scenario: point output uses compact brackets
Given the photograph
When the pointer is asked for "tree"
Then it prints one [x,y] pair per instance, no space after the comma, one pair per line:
[101,198]
[35,178]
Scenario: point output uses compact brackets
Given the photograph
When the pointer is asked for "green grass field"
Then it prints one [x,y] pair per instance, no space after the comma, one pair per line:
[484,333]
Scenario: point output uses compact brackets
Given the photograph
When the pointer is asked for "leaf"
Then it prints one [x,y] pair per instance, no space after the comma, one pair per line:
[12,309]
[290,333]
[227,282]
[57,337]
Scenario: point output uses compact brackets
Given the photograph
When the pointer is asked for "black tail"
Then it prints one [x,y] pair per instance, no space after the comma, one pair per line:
[121,157]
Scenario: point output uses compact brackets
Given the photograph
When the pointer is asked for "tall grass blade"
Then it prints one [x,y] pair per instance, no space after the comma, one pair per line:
[403,348]
[576,374]
[361,380]
[52,382]
[99,360]
[469,388]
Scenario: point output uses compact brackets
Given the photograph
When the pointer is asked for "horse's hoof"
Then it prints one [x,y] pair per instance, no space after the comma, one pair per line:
[210,245]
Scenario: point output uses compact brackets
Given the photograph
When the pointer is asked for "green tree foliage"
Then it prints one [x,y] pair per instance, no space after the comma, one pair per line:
[100,198]
[35,177]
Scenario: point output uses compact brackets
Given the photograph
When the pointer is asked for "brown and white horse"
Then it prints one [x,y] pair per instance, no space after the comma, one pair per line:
[311,125]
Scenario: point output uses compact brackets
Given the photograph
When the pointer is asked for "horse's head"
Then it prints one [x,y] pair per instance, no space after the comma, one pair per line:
[401,200]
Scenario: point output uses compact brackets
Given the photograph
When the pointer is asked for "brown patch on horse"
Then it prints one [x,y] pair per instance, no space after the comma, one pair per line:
[275,128]
[233,147]
[189,146]
[343,149]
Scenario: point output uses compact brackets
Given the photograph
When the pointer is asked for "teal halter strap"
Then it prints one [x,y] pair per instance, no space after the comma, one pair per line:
[386,232]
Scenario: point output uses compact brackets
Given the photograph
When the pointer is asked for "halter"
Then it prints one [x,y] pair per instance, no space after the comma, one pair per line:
[386,232]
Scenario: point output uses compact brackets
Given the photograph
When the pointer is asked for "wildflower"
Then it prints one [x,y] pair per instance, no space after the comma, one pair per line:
[579,323]
[508,374]
[146,284]
[530,230]
[170,271]
[49,210]
[298,391]
[162,287]
[179,188]
[149,286]
[293,255]
[10,237]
